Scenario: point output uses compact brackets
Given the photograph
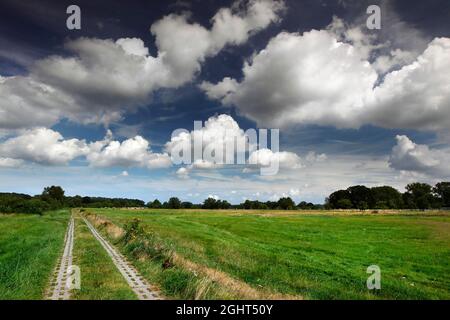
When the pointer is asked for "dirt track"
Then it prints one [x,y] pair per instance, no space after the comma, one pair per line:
[58,287]
[137,283]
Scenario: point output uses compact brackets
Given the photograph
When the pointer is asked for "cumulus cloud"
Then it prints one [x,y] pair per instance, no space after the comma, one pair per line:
[104,78]
[183,45]
[409,156]
[418,95]
[24,96]
[318,78]
[43,146]
[219,134]
[48,147]
[95,86]
[134,152]
[308,78]
[217,140]
[183,173]
[265,157]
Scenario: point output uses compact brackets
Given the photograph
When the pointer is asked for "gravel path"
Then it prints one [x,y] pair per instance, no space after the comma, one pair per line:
[137,283]
[58,287]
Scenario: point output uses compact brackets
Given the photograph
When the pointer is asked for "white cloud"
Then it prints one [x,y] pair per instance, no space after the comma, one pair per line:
[183,45]
[183,173]
[43,146]
[105,78]
[418,95]
[409,156]
[217,133]
[24,96]
[124,174]
[314,78]
[235,27]
[134,152]
[309,78]
[48,147]
[133,46]
[266,157]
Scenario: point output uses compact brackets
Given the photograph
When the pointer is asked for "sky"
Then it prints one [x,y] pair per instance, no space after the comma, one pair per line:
[94,110]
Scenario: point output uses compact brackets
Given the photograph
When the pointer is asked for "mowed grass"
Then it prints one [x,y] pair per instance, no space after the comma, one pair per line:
[100,279]
[315,256]
[29,248]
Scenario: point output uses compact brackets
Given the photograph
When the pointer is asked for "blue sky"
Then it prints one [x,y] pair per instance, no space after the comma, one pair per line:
[382,119]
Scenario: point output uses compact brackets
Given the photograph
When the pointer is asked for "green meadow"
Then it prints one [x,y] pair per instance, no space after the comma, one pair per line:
[29,248]
[232,254]
[310,256]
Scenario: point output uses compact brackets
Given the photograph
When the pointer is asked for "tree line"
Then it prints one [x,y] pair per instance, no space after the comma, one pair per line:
[417,196]
[211,203]
[54,198]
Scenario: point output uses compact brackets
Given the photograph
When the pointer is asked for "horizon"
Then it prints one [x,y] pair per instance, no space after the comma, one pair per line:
[434,192]
[94,109]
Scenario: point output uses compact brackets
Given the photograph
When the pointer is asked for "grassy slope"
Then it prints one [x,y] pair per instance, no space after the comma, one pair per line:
[29,248]
[100,279]
[319,257]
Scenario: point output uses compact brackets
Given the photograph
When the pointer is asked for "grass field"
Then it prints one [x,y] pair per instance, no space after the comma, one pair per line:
[100,280]
[29,248]
[322,256]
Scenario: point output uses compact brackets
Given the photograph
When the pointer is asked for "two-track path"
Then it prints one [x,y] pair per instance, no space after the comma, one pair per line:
[59,289]
[137,283]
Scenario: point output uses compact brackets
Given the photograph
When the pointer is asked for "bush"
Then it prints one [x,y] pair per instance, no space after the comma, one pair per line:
[17,203]
[34,206]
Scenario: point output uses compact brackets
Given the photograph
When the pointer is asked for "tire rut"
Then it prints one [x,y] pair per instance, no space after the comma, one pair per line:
[59,289]
[136,282]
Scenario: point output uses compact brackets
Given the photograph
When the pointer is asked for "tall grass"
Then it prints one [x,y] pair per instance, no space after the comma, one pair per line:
[29,248]
[154,257]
